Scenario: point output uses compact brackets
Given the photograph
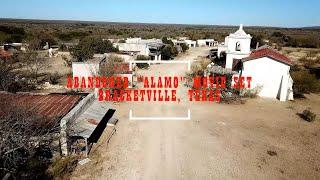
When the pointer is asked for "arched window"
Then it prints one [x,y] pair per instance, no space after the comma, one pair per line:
[238,47]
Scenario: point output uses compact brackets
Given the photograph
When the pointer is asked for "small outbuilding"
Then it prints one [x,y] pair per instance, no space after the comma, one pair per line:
[270,72]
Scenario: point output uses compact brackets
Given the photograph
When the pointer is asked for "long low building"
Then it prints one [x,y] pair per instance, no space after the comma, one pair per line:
[270,72]
[146,47]
[75,116]
[189,43]
[207,42]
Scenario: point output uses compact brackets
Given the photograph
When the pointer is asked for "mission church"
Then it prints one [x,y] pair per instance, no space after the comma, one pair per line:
[268,68]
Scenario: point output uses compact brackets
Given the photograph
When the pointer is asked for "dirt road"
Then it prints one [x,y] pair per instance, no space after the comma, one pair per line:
[261,139]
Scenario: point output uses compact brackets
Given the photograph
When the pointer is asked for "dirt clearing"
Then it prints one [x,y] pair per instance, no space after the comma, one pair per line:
[261,139]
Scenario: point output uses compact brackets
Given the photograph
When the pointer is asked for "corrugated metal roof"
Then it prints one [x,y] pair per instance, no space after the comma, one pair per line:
[83,126]
[52,106]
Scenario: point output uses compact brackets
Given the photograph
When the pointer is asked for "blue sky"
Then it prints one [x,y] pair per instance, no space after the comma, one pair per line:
[284,13]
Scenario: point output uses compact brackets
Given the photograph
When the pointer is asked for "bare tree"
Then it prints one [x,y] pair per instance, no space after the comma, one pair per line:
[6,74]
[111,66]
[67,60]
[22,133]
[33,63]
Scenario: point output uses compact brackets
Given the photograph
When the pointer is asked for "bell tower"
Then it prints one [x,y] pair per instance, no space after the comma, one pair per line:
[238,46]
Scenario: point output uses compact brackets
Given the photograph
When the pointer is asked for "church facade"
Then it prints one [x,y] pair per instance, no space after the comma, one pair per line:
[269,69]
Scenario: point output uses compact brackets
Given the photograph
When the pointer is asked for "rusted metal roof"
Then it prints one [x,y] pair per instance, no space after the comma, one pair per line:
[52,106]
[5,54]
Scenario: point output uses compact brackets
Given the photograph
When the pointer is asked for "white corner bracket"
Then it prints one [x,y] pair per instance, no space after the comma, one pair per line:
[155,118]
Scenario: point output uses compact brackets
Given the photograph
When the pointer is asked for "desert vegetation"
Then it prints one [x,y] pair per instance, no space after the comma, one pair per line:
[71,31]
[142,65]
[26,145]
[88,46]
[26,70]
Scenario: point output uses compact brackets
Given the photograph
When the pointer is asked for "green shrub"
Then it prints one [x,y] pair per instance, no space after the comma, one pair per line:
[68,36]
[142,58]
[307,62]
[63,167]
[256,39]
[67,61]
[250,93]
[184,47]
[11,34]
[295,67]
[63,48]
[54,78]
[111,66]
[304,82]
[308,115]
[165,40]
[90,45]
[115,58]
[168,52]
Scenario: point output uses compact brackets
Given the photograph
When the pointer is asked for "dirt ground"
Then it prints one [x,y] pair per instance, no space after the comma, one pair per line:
[261,139]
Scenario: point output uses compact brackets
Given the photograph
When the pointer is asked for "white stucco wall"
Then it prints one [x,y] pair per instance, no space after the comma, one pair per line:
[203,42]
[133,40]
[82,69]
[244,44]
[142,49]
[267,74]
[191,43]
[232,53]
[231,56]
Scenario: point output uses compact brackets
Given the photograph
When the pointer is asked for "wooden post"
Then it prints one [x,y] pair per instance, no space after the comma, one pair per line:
[86,140]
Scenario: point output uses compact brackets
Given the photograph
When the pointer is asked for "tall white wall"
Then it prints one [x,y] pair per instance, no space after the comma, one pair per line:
[82,69]
[190,43]
[244,45]
[231,56]
[267,74]
[201,42]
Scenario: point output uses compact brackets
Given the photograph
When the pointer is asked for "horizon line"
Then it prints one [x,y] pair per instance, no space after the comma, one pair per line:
[155,23]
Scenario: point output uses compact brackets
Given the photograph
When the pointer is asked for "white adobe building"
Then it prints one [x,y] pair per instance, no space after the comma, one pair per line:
[270,72]
[207,42]
[177,42]
[189,43]
[268,68]
[146,47]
